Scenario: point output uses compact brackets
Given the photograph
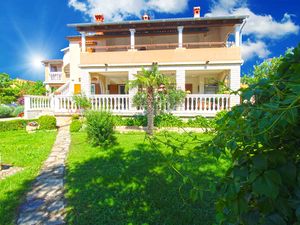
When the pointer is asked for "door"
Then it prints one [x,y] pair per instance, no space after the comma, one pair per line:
[122,89]
[113,89]
[77,89]
[189,87]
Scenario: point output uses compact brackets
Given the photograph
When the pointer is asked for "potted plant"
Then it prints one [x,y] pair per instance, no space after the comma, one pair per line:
[32,127]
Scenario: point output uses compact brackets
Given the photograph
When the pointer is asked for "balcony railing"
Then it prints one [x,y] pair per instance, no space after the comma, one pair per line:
[195,104]
[144,47]
[55,76]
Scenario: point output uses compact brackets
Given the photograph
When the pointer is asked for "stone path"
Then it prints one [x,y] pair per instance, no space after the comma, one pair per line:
[45,203]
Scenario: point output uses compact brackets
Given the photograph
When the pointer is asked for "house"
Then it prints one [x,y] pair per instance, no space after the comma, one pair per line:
[197,53]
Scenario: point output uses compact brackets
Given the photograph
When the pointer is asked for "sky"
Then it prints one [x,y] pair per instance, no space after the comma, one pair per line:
[33,30]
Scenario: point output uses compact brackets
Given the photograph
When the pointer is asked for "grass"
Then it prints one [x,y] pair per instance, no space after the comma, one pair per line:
[22,150]
[134,183]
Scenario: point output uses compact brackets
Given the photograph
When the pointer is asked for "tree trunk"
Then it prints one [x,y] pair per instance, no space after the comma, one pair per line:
[150,110]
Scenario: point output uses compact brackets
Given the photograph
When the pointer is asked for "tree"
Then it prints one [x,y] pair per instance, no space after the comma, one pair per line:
[262,139]
[30,88]
[154,89]
[263,70]
[7,93]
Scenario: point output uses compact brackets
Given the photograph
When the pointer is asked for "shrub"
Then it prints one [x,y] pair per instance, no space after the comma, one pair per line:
[100,128]
[75,117]
[139,120]
[262,139]
[47,122]
[200,122]
[17,111]
[75,126]
[119,121]
[5,111]
[13,125]
[82,102]
[167,120]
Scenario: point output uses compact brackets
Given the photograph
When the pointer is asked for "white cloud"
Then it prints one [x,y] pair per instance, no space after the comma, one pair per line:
[124,9]
[78,5]
[262,26]
[251,49]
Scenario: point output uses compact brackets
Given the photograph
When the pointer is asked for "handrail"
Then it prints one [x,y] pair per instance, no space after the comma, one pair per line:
[167,45]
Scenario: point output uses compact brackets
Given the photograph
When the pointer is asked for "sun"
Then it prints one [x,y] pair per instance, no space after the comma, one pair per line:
[36,61]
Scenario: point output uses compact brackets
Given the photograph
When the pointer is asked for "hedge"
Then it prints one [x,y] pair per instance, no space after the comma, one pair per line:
[13,125]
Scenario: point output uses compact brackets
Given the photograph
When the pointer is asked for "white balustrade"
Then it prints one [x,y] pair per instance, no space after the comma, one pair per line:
[206,102]
[194,104]
[55,76]
[38,102]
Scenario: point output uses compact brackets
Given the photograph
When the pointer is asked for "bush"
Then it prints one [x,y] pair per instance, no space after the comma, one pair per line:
[262,139]
[200,122]
[5,111]
[100,128]
[167,120]
[13,125]
[47,122]
[17,111]
[75,117]
[75,126]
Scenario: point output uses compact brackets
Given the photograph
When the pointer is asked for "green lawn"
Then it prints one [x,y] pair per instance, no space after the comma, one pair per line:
[134,183]
[23,150]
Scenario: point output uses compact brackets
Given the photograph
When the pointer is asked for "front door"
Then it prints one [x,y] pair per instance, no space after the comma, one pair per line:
[113,89]
[189,87]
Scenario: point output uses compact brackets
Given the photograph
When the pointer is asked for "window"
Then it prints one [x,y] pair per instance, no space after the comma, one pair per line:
[210,86]
[122,89]
[93,89]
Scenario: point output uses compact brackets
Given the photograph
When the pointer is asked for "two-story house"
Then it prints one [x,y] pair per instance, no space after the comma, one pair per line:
[197,52]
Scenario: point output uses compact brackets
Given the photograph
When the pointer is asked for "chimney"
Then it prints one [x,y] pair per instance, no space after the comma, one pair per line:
[99,18]
[146,17]
[197,12]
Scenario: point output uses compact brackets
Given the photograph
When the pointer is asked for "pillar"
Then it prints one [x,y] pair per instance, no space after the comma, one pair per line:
[132,91]
[86,83]
[238,35]
[83,42]
[235,83]
[180,36]
[132,38]
[180,79]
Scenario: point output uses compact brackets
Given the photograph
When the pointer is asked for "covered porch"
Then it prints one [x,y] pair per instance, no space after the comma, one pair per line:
[106,91]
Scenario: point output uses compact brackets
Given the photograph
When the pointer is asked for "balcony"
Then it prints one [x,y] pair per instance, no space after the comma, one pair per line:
[160,53]
[55,77]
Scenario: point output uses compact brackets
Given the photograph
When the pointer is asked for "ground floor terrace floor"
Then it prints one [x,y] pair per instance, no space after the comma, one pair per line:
[106,89]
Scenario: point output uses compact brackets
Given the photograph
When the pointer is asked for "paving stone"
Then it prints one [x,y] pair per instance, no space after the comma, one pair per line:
[45,202]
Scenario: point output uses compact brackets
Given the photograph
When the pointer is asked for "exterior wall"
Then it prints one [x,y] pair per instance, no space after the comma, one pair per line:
[235,84]
[74,61]
[161,56]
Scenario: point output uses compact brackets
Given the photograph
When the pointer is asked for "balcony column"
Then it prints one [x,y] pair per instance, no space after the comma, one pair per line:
[86,83]
[132,91]
[238,36]
[235,83]
[132,39]
[180,36]
[83,42]
[180,84]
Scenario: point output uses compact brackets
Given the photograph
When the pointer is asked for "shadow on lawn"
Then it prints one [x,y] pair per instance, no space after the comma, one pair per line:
[10,202]
[140,187]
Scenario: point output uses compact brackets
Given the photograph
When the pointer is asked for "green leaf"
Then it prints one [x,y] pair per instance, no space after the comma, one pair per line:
[275,219]
[260,162]
[267,184]
[292,116]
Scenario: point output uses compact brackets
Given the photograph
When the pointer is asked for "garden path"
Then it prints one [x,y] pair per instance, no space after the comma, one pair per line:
[45,203]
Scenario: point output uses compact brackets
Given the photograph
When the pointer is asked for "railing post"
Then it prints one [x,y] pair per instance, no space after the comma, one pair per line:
[26,106]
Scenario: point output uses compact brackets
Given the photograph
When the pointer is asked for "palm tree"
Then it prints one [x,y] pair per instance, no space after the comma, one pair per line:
[149,81]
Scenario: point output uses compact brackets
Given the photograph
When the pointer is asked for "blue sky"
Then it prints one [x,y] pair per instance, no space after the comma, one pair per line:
[33,30]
